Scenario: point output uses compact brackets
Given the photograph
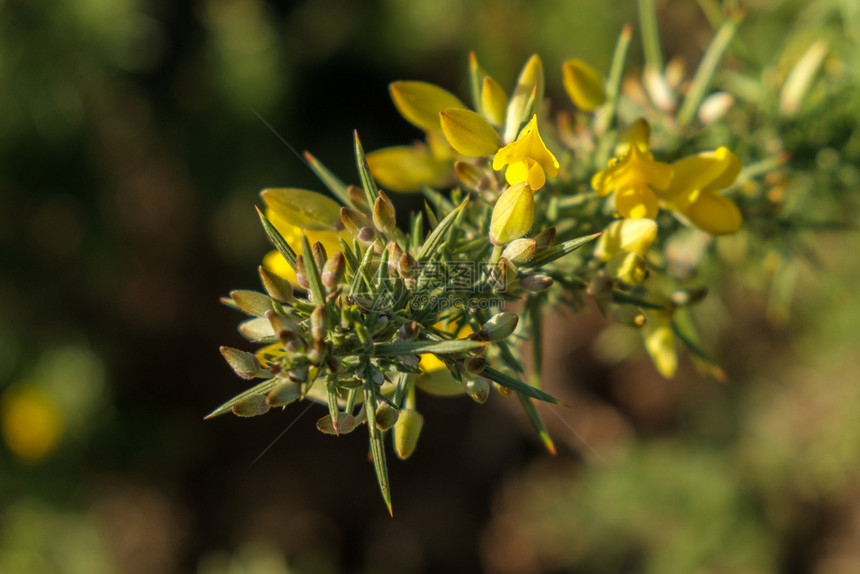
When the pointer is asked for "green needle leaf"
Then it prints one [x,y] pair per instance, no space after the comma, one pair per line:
[519,386]
[277,240]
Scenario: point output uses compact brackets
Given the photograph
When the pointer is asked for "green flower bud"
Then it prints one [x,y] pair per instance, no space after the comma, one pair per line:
[357,197]
[468,174]
[301,272]
[500,326]
[383,213]
[245,364]
[345,424]
[277,287]
[407,429]
[503,275]
[407,266]
[319,254]
[536,283]
[394,255]
[252,302]
[474,365]
[520,251]
[353,221]
[332,271]
[298,374]
[319,323]
[386,416]
[478,389]
[367,235]
[251,406]
[545,239]
[319,352]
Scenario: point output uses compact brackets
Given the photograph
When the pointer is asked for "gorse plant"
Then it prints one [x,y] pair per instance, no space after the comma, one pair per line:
[613,201]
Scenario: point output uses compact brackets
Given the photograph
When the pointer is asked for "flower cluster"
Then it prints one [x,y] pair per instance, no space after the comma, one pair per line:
[363,307]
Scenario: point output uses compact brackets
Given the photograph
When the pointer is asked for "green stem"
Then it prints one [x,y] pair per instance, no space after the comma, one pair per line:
[650,35]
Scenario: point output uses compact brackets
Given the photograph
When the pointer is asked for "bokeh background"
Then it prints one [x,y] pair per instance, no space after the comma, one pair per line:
[134,138]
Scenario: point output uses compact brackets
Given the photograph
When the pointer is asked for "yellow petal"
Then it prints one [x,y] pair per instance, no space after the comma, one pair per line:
[407,168]
[583,85]
[302,208]
[468,133]
[421,102]
[660,344]
[528,145]
[714,213]
[531,79]
[707,170]
[636,202]
[636,235]
[513,214]
[494,101]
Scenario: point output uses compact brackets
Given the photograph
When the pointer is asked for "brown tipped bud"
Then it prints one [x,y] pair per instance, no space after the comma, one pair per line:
[333,270]
[353,221]
[408,331]
[301,272]
[293,342]
[277,287]
[386,416]
[357,197]
[394,255]
[319,352]
[503,275]
[251,406]
[381,323]
[319,323]
[520,251]
[383,213]
[545,239]
[407,266]
[536,283]
[320,256]
[245,364]
[689,296]
[407,429]
[478,389]
[500,326]
[629,315]
[298,374]
[367,235]
[474,365]
[468,174]
[285,328]
[283,394]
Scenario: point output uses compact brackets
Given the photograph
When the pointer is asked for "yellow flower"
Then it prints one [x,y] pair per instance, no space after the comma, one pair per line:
[634,177]
[583,85]
[527,158]
[693,190]
[513,214]
[32,424]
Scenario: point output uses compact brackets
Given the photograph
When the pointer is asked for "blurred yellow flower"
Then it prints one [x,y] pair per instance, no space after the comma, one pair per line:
[693,190]
[583,85]
[634,177]
[32,424]
[527,158]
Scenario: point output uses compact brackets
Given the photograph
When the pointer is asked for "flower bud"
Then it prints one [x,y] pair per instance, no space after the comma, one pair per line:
[319,323]
[583,84]
[383,213]
[545,239]
[299,373]
[333,270]
[628,267]
[513,214]
[478,389]
[386,416]
[245,364]
[536,283]
[394,255]
[367,235]
[468,132]
[520,251]
[407,429]
[251,302]
[689,296]
[468,174]
[357,197]
[283,394]
[278,288]
[319,352]
[251,406]
[319,254]
[500,326]
[293,342]
[659,89]
[474,365]
[714,107]
[353,221]
[301,272]
[503,275]
[635,235]
[345,424]
[407,266]
[408,331]
[494,101]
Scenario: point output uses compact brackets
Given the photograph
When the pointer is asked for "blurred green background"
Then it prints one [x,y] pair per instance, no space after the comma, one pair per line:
[133,143]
